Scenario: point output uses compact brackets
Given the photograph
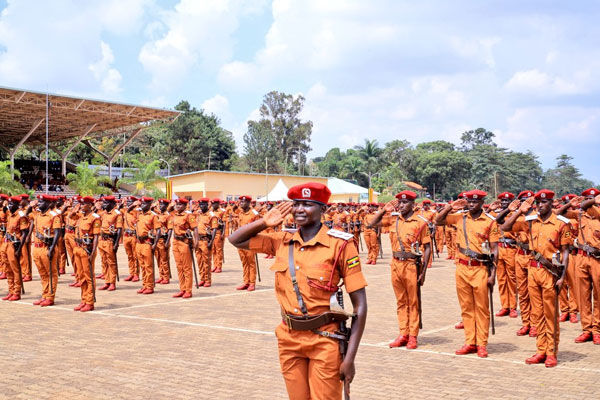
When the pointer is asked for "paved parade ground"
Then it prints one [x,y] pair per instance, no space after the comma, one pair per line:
[220,345]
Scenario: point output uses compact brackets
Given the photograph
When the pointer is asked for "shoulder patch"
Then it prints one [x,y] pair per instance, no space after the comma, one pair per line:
[95,215]
[563,219]
[531,217]
[490,216]
[340,234]
[353,262]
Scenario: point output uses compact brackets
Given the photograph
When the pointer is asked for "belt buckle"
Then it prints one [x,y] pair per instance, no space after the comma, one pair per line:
[469,262]
[288,321]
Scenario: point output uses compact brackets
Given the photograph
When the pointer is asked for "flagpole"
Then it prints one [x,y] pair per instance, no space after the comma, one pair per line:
[47,104]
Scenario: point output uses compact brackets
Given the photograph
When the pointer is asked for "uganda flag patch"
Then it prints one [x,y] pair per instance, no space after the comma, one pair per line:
[353,262]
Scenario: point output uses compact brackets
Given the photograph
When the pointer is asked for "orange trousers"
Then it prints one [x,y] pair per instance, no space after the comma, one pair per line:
[372,244]
[310,364]
[439,238]
[144,257]
[248,265]
[521,272]
[183,262]
[42,262]
[129,242]
[26,259]
[217,251]
[3,261]
[12,270]
[567,298]
[203,261]
[507,281]
[450,236]
[86,268]
[109,260]
[542,295]
[69,247]
[61,253]
[587,275]
[162,260]
[472,291]
[404,282]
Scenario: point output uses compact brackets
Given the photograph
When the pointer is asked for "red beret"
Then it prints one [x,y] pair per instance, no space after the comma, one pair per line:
[406,194]
[426,201]
[204,200]
[109,198]
[87,199]
[182,200]
[223,202]
[475,194]
[15,198]
[568,197]
[506,195]
[3,196]
[526,194]
[216,200]
[310,191]
[373,204]
[132,198]
[590,192]
[147,199]
[62,197]
[24,196]
[245,197]
[164,201]
[545,194]
[461,195]
[46,197]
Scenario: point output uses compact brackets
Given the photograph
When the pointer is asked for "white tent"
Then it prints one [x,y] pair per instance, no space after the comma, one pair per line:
[278,193]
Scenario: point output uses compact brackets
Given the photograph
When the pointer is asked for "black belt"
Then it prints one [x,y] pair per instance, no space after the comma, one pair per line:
[204,237]
[181,238]
[312,322]
[130,231]
[403,255]
[589,250]
[108,236]
[511,242]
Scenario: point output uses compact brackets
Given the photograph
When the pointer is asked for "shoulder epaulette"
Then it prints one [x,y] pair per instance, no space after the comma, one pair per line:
[53,213]
[95,215]
[188,211]
[563,219]
[117,211]
[531,217]
[254,211]
[490,216]
[395,213]
[58,212]
[153,213]
[21,214]
[340,234]
[212,214]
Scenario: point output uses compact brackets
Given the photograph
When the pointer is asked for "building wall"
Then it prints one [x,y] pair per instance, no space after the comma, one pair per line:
[223,184]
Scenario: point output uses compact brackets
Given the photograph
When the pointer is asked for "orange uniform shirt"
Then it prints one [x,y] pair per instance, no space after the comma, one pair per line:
[206,222]
[245,218]
[587,226]
[410,230]
[545,237]
[16,222]
[146,223]
[88,225]
[314,265]
[45,224]
[166,222]
[111,221]
[479,230]
[182,222]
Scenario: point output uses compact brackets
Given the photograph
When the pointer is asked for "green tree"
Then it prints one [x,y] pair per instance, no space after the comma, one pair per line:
[565,177]
[260,144]
[8,185]
[478,137]
[86,181]
[145,178]
[370,154]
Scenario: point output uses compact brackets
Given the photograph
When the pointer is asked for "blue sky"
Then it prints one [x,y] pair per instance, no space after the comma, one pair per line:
[369,69]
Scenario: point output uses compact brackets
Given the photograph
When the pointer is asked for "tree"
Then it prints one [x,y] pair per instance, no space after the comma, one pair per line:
[86,182]
[565,178]
[260,144]
[478,137]
[145,178]
[8,185]
[370,154]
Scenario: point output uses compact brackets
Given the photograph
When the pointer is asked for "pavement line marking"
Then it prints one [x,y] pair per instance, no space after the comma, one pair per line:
[184,301]
[443,328]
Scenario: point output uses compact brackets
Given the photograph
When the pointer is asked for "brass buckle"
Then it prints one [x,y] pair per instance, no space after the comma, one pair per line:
[288,321]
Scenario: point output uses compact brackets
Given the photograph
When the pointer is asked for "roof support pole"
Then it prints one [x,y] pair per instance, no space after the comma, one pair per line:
[23,140]
[119,148]
[72,147]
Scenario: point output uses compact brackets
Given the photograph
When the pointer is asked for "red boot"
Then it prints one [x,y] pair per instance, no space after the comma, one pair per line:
[251,287]
[513,313]
[112,287]
[38,302]
[106,286]
[179,294]
[135,278]
[242,287]
[3,276]
[551,362]
[148,291]
[466,349]
[400,341]
[563,317]
[482,352]
[412,342]
[584,337]
[27,278]
[165,282]
[206,284]
[79,307]
[187,295]
[536,359]
[218,271]
[47,303]
[596,339]
[523,331]
[158,280]
[140,291]
[533,332]
[573,318]
[129,278]
[15,297]
[460,325]
[8,296]
[87,307]
[503,312]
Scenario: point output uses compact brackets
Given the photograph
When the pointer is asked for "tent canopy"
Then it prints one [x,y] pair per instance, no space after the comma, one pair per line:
[278,193]
[340,186]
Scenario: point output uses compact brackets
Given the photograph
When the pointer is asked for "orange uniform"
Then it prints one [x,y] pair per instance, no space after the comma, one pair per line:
[567,298]
[3,261]
[506,265]
[217,254]
[70,222]
[248,256]
[522,260]
[309,361]
[472,276]
[545,237]
[44,225]
[370,235]
[183,223]
[111,222]
[206,223]
[162,252]
[87,227]
[145,229]
[130,241]
[404,233]
[17,224]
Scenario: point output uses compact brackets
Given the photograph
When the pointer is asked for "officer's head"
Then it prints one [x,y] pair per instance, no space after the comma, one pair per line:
[13,203]
[426,204]
[24,200]
[181,204]
[87,202]
[163,204]
[215,204]
[44,202]
[60,200]
[310,202]
[544,199]
[245,202]
[108,202]
[524,195]
[146,203]
[203,203]
[590,193]
[505,199]
[475,200]
[406,201]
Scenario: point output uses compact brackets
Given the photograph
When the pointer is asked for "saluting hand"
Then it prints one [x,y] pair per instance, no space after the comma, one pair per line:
[495,205]
[526,205]
[576,201]
[275,215]
[390,206]
[514,205]
[597,199]
[458,205]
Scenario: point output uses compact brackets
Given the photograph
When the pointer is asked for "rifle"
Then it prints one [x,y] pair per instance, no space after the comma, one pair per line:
[344,331]
[257,266]
[92,277]
[559,273]
[191,247]
[433,240]
[379,242]
[50,271]
[489,263]
[416,251]
[18,255]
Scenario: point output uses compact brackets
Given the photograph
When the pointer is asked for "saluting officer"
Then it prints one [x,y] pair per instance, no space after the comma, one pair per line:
[164,242]
[110,237]
[130,216]
[148,233]
[507,252]
[309,265]
[17,227]
[185,233]
[245,216]
[219,240]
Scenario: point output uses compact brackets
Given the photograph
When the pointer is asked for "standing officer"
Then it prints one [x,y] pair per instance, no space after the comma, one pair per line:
[130,216]
[567,298]
[147,232]
[408,233]
[46,227]
[70,223]
[507,252]
[164,242]
[310,357]
[219,241]
[87,231]
[3,261]
[185,230]
[110,237]
[476,230]
[207,228]
[26,253]
[246,216]
[549,237]
[370,234]
[17,227]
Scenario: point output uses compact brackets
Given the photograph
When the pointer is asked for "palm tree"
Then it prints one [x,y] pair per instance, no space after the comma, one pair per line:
[370,154]
[8,185]
[352,167]
[145,178]
[86,181]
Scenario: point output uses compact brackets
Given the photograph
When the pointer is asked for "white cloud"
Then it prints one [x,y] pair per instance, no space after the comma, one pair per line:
[540,83]
[109,77]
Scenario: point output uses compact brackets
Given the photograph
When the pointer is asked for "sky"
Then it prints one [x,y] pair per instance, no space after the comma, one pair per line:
[377,69]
